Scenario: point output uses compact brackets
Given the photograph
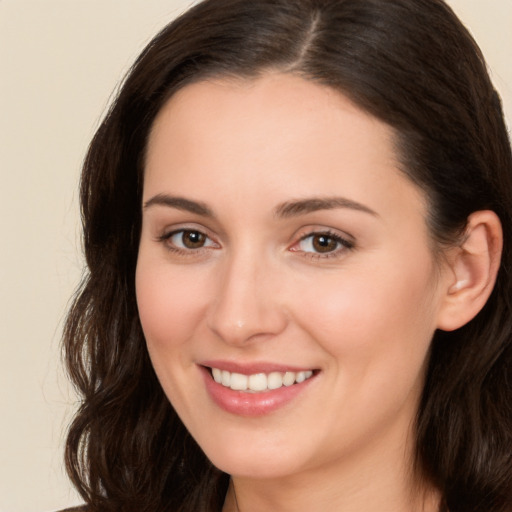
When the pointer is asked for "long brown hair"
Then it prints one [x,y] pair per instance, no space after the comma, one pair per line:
[413,65]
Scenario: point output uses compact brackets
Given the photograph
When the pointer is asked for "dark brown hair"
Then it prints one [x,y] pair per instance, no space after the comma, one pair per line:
[411,64]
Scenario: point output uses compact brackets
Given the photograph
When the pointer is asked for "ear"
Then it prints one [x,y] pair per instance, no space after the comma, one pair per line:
[473,267]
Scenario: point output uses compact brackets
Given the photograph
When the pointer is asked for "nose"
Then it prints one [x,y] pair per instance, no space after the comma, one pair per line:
[247,306]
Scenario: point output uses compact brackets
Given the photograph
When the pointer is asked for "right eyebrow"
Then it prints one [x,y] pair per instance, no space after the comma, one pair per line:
[179,203]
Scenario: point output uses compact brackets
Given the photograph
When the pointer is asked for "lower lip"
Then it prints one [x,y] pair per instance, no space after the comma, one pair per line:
[251,404]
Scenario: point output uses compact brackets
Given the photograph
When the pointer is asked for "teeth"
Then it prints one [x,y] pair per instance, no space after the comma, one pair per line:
[217,375]
[301,377]
[238,381]
[275,380]
[226,378]
[289,378]
[259,381]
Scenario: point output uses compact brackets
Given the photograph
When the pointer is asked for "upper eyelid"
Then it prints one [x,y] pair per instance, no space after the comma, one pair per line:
[343,241]
[170,230]
[305,232]
[327,233]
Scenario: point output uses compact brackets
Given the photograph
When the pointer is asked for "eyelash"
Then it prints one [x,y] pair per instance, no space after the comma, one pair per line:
[342,244]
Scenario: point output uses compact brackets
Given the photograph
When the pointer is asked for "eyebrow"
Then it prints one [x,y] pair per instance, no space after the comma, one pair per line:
[180,203]
[284,210]
[304,206]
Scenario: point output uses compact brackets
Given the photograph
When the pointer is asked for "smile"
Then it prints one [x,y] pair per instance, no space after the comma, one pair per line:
[255,389]
[259,382]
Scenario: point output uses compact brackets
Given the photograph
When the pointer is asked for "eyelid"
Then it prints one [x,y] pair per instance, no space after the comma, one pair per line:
[169,229]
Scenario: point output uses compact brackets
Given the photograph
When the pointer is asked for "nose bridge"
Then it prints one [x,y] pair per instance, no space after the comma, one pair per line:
[246,304]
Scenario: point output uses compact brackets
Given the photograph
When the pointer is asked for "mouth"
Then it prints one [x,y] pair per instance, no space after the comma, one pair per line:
[256,389]
[259,382]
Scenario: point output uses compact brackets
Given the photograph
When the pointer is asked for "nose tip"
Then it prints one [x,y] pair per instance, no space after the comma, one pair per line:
[246,320]
[246,307]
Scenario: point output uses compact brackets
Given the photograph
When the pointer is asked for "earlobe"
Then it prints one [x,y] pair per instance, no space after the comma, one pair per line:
[473,269]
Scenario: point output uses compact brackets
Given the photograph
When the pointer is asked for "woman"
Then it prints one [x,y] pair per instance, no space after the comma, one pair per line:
[297,224]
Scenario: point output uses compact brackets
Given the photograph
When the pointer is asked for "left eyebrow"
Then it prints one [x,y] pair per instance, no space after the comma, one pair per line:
[304,206]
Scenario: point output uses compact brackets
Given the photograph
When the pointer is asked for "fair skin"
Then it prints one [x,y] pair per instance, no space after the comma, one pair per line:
[279,235]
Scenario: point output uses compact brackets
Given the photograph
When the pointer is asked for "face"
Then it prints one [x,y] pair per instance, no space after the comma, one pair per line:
[285,281]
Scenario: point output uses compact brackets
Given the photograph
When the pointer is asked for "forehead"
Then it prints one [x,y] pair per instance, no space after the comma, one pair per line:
[280,108]
[278,135]
[271,97]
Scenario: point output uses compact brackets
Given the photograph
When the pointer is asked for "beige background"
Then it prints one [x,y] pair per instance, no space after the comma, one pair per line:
[59,62]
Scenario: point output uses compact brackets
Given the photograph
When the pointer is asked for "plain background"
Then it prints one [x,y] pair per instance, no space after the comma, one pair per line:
[60,61]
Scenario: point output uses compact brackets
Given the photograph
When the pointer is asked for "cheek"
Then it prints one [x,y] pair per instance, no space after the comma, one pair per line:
[382,314]
[170,304]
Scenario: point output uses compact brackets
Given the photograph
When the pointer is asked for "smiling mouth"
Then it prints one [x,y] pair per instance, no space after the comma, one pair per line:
[259,382]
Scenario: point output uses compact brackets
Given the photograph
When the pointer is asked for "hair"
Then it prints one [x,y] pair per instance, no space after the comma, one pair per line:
[413,65]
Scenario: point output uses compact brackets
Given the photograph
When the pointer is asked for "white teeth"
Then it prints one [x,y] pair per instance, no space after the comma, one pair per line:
[259,381]
[289,378]
[226,378]
[275,380]
[217,375]
[301,377]
[238,381]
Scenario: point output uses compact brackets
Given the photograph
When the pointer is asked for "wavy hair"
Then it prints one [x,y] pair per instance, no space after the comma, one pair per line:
[411,64]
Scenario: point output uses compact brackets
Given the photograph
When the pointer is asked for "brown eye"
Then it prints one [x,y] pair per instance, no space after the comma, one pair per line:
[193,239]
[187,239]
[324,243]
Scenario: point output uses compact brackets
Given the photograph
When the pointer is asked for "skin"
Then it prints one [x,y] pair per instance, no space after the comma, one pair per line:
[363,316]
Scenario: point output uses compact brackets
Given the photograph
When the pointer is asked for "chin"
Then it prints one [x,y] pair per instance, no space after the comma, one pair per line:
[267,464]
[261,470]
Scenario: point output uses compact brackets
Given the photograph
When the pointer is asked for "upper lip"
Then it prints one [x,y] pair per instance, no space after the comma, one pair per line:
[251,368]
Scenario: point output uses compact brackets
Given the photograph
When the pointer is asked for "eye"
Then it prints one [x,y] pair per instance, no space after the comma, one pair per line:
[323,244]
[188,239]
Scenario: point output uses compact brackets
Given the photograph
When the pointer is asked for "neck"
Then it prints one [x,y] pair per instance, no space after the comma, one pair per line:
[242,498]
